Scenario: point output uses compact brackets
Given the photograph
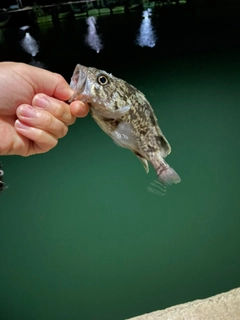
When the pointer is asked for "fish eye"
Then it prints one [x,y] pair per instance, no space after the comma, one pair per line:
[102,79]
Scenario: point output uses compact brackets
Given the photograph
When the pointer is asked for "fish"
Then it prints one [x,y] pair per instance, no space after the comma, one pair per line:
[124,113]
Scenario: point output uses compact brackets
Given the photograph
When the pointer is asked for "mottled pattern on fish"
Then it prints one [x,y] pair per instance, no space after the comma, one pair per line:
[123,112]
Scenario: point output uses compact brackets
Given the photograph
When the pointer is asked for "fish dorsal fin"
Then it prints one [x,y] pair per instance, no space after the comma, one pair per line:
[161,140]
[164,146]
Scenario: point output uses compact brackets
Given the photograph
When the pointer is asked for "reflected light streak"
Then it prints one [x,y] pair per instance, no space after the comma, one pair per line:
[146,37]
[30,45]
[92,38]
[24,28]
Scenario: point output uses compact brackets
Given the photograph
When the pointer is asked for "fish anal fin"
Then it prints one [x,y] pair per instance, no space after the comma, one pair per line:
[144,162]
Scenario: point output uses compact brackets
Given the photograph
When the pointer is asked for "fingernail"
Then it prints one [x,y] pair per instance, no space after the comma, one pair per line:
[40,101]
[27,111]
[21,126]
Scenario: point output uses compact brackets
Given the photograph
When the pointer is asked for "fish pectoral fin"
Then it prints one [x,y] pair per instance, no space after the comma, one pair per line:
[123,135]
[144,162]
[117,114]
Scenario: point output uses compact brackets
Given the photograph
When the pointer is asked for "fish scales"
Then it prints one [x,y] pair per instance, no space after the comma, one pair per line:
[123,112]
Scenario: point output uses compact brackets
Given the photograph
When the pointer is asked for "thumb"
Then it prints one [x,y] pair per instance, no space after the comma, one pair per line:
[50,83]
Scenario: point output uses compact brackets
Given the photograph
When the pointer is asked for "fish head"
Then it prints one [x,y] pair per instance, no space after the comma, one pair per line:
[98,87]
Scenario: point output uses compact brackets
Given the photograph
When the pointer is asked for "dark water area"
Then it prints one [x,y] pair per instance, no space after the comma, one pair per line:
[80,235]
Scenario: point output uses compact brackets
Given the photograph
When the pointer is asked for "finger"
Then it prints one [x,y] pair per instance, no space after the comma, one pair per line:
[41,119]
[79,109]
[45,81]
[59,109]
[42,141]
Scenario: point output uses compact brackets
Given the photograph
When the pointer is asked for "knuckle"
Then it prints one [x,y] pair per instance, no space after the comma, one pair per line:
[54,125]
[72,121]
[50,144]
[44,144]
[59,112]
[39,135]
[64,131]
[53,144]
[46,119]
[59,78]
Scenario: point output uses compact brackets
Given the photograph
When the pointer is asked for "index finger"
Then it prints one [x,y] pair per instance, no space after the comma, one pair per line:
[59,109]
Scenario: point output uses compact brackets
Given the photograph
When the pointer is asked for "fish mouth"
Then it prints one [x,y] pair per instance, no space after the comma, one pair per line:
[78,82]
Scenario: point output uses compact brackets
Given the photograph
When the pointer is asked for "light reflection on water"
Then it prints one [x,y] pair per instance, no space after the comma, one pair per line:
[29,44]
[24,28]
[147,35]
[92,38]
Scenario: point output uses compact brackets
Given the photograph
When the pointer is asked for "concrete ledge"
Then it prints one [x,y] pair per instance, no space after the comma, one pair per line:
[224,306]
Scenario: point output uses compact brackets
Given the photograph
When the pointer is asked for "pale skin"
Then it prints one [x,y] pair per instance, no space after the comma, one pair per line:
[34,113]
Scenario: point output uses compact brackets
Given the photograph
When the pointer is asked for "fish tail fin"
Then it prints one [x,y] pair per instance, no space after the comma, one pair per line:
[168,175]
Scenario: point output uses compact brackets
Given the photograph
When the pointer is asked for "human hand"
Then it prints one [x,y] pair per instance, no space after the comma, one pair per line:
[33,114]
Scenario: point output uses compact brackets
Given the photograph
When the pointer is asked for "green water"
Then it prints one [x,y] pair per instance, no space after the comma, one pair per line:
[80,235]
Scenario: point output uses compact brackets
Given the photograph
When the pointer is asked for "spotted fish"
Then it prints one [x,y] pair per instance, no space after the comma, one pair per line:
[123,112]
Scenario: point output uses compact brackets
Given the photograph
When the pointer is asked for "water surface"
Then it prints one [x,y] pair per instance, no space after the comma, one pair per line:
[81,237]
